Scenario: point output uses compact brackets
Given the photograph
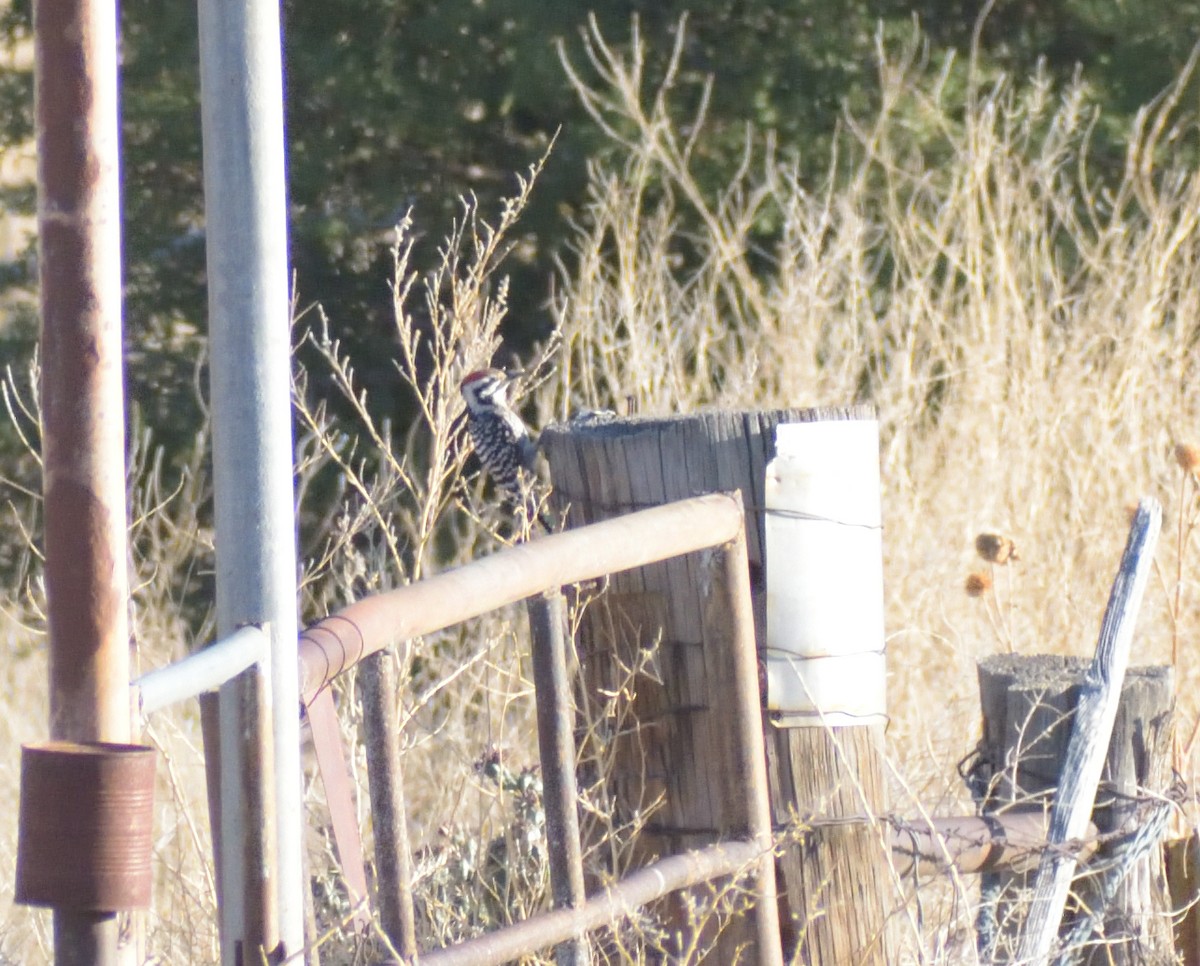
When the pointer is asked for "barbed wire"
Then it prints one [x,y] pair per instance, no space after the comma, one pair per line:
[1123,856]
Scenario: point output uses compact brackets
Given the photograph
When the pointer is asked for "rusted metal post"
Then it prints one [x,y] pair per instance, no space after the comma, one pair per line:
[385,781]
[746,798]
[245,738]
[79,263]
[210,730]
[556,745]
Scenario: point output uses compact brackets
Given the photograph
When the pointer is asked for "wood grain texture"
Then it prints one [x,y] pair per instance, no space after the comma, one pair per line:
[1028,704]
[666,752]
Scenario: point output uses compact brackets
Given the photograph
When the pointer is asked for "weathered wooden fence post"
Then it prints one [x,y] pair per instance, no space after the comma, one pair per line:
[1027,704]
[645,635]
[826,683]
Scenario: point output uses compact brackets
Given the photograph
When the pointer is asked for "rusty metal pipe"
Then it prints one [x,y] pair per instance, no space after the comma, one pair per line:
[618,901]
[389,818]
[340,641]
[556,746]
[1012,840]
[730,615]
[83,447]
[82,393]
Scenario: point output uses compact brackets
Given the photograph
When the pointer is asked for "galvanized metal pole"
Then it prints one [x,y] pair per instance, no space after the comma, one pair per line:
[245,203]
[83,445]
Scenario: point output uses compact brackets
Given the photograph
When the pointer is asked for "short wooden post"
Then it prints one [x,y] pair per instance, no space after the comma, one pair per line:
[1027,704]
[646,635]
[1183,875]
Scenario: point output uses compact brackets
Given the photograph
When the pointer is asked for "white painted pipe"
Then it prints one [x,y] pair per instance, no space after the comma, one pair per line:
[245,201]
[824,561]
[205,670]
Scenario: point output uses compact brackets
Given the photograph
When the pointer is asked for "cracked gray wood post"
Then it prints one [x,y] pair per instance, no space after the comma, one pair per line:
[1028,705]
[1090,736]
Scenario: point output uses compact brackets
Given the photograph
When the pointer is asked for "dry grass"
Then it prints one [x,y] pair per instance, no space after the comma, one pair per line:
[1028,335]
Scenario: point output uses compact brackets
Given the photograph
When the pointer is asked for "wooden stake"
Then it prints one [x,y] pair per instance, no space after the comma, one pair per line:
[1090,734]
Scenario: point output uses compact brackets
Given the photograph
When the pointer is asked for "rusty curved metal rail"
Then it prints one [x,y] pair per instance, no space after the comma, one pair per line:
[338,642]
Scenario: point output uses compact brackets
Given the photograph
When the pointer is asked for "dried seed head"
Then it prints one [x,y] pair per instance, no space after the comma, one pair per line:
[995,548]
[1188,457]
[977,584]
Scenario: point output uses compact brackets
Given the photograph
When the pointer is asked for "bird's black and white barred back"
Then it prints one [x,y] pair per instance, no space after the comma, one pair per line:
[502,441]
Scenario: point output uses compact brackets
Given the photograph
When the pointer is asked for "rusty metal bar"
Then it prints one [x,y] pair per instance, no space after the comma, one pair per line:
[251,797]
[210,733]
[618,901]
[389,819]
[79,267]
[556,745]
[730,617]
[340,641]
[340,795]
[83,443]
[978,843]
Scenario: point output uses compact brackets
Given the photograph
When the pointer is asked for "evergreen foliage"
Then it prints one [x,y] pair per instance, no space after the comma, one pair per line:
[395,105]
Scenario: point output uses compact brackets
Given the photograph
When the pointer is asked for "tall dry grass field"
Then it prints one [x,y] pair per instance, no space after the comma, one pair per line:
[1030,335]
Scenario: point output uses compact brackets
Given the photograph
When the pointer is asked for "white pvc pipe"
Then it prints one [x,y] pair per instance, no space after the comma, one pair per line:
[824,560]
[204,670]
[249,326]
